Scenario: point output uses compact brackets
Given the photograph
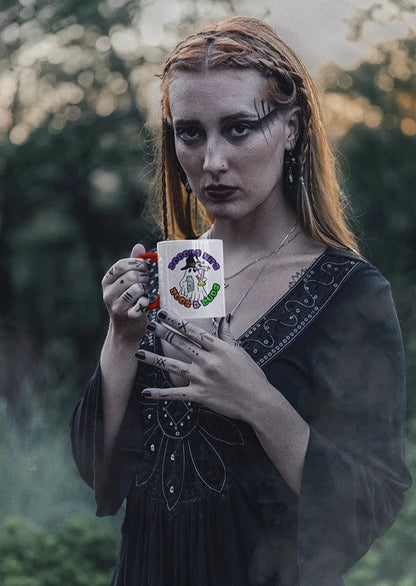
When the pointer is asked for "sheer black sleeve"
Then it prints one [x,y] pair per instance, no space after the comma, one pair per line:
[354,476]
[87,447]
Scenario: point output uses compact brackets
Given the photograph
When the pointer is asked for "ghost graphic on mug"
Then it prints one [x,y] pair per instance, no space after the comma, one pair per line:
[193,283]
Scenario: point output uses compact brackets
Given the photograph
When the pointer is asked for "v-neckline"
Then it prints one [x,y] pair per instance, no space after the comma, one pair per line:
[286,294]
[298,308]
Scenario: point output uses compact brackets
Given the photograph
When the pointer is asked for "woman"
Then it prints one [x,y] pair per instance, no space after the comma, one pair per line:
[265,448]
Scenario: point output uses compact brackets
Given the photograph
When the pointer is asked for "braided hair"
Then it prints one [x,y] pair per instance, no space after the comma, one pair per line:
[310,182]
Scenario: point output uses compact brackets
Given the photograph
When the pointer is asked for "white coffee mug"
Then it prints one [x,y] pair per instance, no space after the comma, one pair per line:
[191,277]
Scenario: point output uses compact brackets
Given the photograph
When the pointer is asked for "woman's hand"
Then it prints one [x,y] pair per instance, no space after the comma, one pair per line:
[125,295]
[220,374]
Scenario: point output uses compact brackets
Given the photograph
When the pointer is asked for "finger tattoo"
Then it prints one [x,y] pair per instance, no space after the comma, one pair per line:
[182,326]
[169,337]
[127,296]
[161,362]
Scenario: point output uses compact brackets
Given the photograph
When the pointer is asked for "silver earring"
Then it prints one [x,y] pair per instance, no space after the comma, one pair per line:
[290,162]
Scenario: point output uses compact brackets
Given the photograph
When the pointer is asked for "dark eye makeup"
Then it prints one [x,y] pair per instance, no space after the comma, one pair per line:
[236,129]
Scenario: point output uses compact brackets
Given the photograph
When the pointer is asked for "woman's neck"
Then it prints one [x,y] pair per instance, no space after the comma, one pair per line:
[252,235]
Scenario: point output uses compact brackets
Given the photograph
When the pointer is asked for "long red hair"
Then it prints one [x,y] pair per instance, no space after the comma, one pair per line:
[314,193]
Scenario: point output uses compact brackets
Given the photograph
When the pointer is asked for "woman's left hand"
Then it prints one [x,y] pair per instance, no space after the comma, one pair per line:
[220,374]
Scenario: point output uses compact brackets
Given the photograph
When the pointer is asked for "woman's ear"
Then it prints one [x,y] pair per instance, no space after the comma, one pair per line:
[292,127]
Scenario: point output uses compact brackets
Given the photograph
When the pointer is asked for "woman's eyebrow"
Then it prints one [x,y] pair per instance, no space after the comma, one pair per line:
[186,122]
[243,114]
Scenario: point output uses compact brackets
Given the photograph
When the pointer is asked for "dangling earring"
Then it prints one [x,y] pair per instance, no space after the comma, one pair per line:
[188,187]
[188,190]
[290,162]
[184,181]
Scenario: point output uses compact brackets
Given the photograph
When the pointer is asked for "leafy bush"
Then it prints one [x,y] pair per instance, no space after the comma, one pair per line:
[78,554]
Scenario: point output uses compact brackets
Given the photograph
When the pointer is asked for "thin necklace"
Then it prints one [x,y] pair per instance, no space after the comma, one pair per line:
[269,257]
[253,262]
[272,253]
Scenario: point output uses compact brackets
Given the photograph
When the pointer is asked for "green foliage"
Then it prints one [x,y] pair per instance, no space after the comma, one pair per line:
[77,554]
[71,205]
[380,183]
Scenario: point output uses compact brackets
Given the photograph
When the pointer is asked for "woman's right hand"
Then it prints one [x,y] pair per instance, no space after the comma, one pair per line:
[125,295]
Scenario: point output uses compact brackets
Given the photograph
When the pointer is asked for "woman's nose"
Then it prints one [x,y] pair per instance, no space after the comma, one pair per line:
[215,160]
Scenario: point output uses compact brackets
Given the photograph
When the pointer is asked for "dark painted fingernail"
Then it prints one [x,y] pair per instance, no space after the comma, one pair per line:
[151,326]
[146,393]
[162,314]
[140,354]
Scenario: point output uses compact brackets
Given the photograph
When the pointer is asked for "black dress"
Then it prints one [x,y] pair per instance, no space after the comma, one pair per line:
[204,504]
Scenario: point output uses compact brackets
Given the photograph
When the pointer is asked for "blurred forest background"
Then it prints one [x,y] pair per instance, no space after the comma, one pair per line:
[76,84]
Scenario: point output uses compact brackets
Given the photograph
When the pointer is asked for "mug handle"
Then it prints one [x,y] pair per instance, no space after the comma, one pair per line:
[152,256]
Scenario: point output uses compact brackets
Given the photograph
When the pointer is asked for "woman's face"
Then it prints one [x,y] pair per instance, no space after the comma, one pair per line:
[230,141]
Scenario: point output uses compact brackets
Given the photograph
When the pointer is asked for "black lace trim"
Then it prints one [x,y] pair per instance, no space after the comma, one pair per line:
[289,317]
